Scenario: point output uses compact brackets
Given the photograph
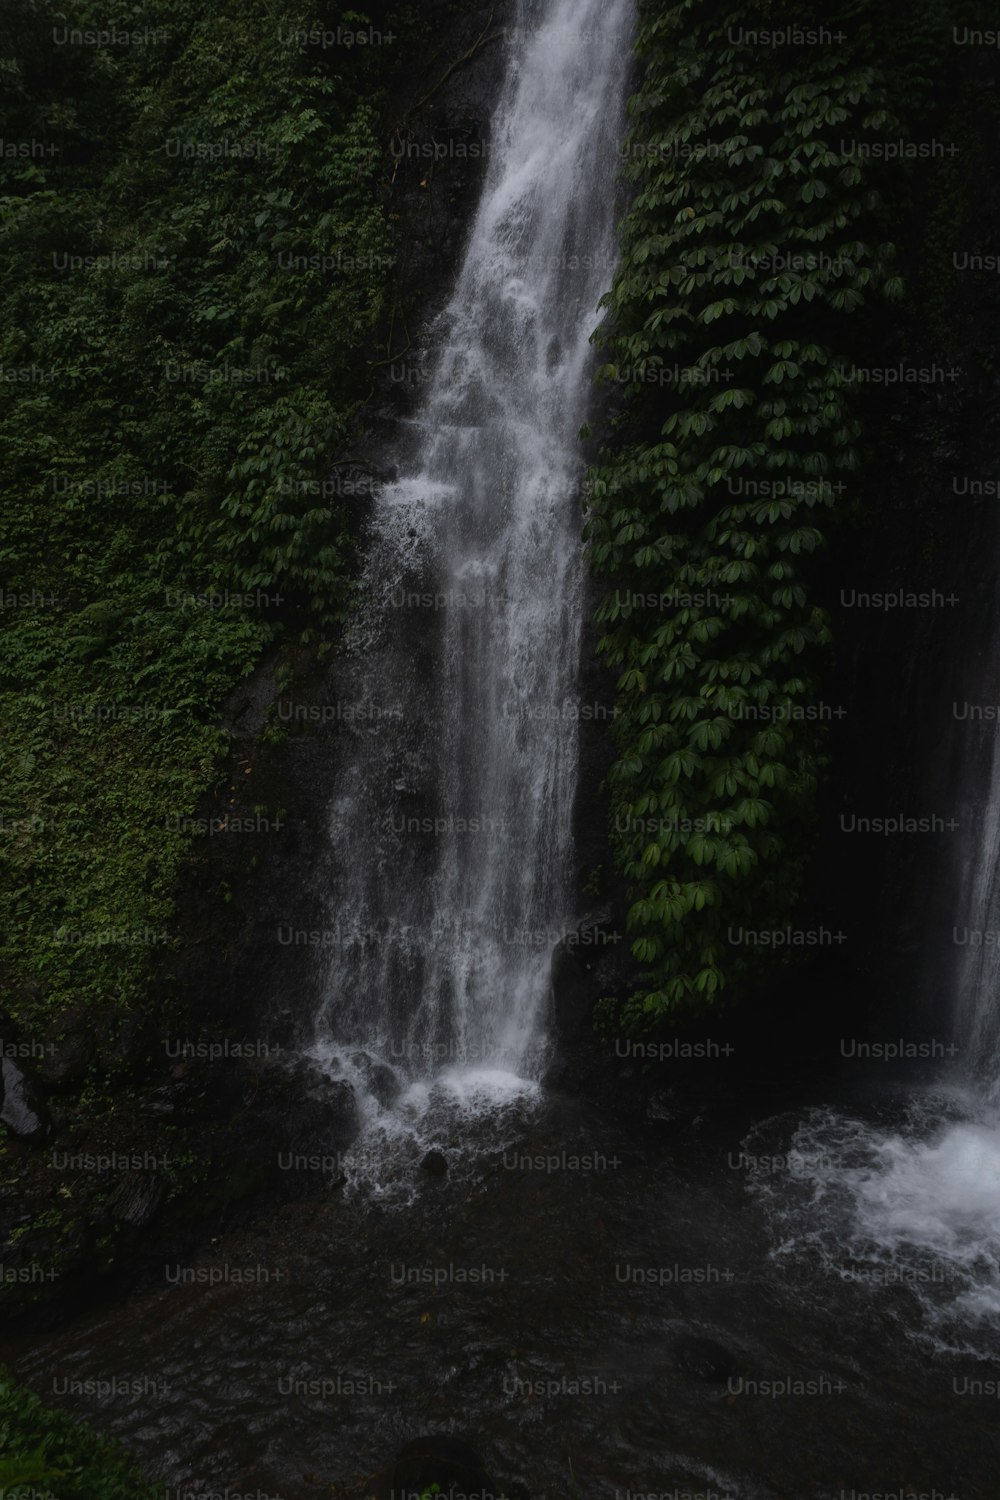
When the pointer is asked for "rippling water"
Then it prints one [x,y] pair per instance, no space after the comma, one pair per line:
[533,1301]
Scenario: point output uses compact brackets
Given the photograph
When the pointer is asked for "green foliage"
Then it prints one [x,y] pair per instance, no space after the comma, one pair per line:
[196,255]
[45,1453]
[749,250]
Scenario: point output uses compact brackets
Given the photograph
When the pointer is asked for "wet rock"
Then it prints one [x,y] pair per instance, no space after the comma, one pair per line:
[669,1108]
[136,1198]
[164,1103]
[65,1060]
[67,1044]
[292,1112]
[283,1027]
[131,1042]
[385,1085]
[198,1091]
[21,1111]
[584,967]
[705,1359]
[572,993]
[437,1461]
[380,1079]
[662,1107]
[435,1164]
[40,1252]
[327,1114]
[246,710]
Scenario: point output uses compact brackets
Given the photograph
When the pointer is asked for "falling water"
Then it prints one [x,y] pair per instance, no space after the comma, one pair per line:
[917,1205]
[451,827]
[977,930]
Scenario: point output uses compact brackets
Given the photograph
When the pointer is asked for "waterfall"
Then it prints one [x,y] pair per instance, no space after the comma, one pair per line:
[450,827]
[915,1204]
[976,933]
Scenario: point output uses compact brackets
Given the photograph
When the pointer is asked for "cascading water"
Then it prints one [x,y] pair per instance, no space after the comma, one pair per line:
[451,829]
[917,1205]
[977,934]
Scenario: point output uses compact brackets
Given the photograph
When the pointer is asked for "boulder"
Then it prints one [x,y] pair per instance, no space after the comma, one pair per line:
[21,1110]
[381,1081]
[437,1461]
[135,1198]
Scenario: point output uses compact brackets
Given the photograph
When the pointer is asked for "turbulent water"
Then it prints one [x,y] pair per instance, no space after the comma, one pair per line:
[905,1193]
[539,1315]
[451,824]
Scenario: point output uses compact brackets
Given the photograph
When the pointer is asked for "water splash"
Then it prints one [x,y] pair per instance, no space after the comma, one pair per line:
[908,1211]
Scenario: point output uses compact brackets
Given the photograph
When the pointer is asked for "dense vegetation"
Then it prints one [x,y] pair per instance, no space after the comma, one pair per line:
[197,256]
[756,261]
[196,253]
[43,1452]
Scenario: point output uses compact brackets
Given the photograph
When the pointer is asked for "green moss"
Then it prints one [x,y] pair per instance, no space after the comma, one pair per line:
[197,260]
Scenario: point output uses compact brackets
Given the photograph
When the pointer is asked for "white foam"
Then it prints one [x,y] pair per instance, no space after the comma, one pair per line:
[917,1206]
[435,1112]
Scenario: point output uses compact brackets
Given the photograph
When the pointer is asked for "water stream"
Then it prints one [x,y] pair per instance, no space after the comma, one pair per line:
[451,822]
